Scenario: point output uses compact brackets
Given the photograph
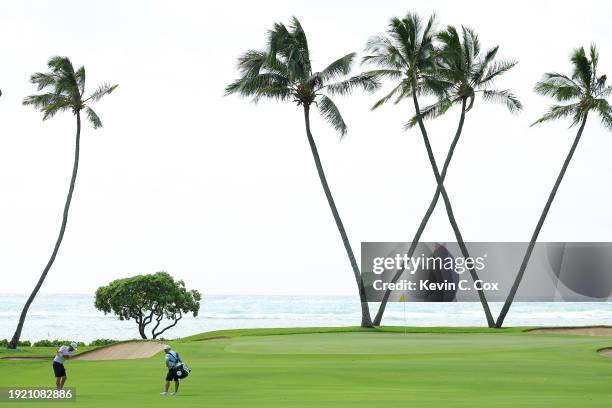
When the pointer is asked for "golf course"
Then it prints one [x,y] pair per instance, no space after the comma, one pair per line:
[343,367]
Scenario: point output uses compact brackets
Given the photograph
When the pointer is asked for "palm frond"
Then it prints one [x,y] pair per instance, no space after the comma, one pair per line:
[42,100]
[391,74]
[434,85]
[253,85]
[102,90]
[471,46]
[432,111]
[54,107]
[384,53]
[603,108]
[291,47]
[363,81]
[59,65]
[582,67]
[558,112]
[481,66]
[93,118]
[331,114]
[498,68]
[250,63]
[42,80]
[278,93]
[558,88]
[397,89]
[79,75]
[504,97]
[340,67]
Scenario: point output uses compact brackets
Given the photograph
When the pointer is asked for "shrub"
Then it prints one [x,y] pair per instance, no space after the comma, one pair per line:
[55,343]
[24,343]
[102,342]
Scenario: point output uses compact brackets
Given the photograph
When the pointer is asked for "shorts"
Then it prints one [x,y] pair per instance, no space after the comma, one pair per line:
[172,376]
[59,369]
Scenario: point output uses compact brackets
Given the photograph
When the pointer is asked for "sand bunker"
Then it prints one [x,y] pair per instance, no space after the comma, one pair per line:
[123,351]
[606,352]
[580,331]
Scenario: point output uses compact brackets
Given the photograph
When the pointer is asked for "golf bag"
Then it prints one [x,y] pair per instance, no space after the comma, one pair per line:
[182,371]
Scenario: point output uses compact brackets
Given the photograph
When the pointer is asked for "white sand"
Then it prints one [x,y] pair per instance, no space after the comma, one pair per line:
[123,351]
[581,331]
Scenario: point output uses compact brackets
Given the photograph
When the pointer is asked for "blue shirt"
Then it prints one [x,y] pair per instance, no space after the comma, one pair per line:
[172,358]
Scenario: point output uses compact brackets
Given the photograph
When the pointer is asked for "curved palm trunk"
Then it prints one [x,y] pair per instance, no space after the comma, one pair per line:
[439,190]
[424,221]
[13,343]
[366,320]
[536,232]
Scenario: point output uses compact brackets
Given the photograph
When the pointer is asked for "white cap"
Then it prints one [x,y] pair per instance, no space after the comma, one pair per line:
[167,347]
[74,345]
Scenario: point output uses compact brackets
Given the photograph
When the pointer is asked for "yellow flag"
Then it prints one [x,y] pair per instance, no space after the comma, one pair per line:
[402,298]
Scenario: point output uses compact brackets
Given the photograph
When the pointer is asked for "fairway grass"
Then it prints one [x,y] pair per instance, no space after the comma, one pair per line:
[347,367]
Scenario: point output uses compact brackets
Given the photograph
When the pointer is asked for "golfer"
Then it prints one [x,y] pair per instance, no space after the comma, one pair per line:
[58,363]
[172,360]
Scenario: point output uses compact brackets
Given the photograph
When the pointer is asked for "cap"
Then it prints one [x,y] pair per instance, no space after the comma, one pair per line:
[167,347]
[74,345]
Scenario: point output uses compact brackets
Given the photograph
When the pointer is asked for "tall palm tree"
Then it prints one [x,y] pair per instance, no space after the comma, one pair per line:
[455,72]
[63,89]
[283,72]
[580,93]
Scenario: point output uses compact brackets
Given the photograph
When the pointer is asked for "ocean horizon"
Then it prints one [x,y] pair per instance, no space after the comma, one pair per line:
[73,316]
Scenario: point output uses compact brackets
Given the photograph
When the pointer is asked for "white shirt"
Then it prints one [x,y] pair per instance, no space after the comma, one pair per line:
[61,353]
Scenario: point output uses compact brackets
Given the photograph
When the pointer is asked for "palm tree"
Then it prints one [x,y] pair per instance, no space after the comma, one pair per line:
[580,93]
[455,72]
[63,90]
[283,72]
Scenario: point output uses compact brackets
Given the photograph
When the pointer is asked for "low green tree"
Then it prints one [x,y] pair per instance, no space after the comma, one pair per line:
[149,299]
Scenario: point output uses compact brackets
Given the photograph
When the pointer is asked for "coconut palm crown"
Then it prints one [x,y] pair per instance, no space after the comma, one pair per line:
[582,92]
[467,71]
[283,72]
[65,90]
[406,55]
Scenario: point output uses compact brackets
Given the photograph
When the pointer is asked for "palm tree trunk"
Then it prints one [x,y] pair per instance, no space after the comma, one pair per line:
[449,208]
[366,320]
[13,343]
[536,232]
[425,220]
[439,190]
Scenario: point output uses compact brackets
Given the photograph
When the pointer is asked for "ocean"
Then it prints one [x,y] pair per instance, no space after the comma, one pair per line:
[71,316]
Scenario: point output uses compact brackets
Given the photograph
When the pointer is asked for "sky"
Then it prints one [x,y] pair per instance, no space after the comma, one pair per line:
[223,193]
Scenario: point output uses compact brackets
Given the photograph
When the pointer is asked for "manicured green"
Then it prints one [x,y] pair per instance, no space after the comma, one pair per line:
[349,367]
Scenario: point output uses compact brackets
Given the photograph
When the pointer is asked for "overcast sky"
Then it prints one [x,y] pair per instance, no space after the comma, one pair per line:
[224,194]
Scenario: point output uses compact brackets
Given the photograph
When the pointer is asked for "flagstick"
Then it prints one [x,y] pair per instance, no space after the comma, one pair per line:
[405,322]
